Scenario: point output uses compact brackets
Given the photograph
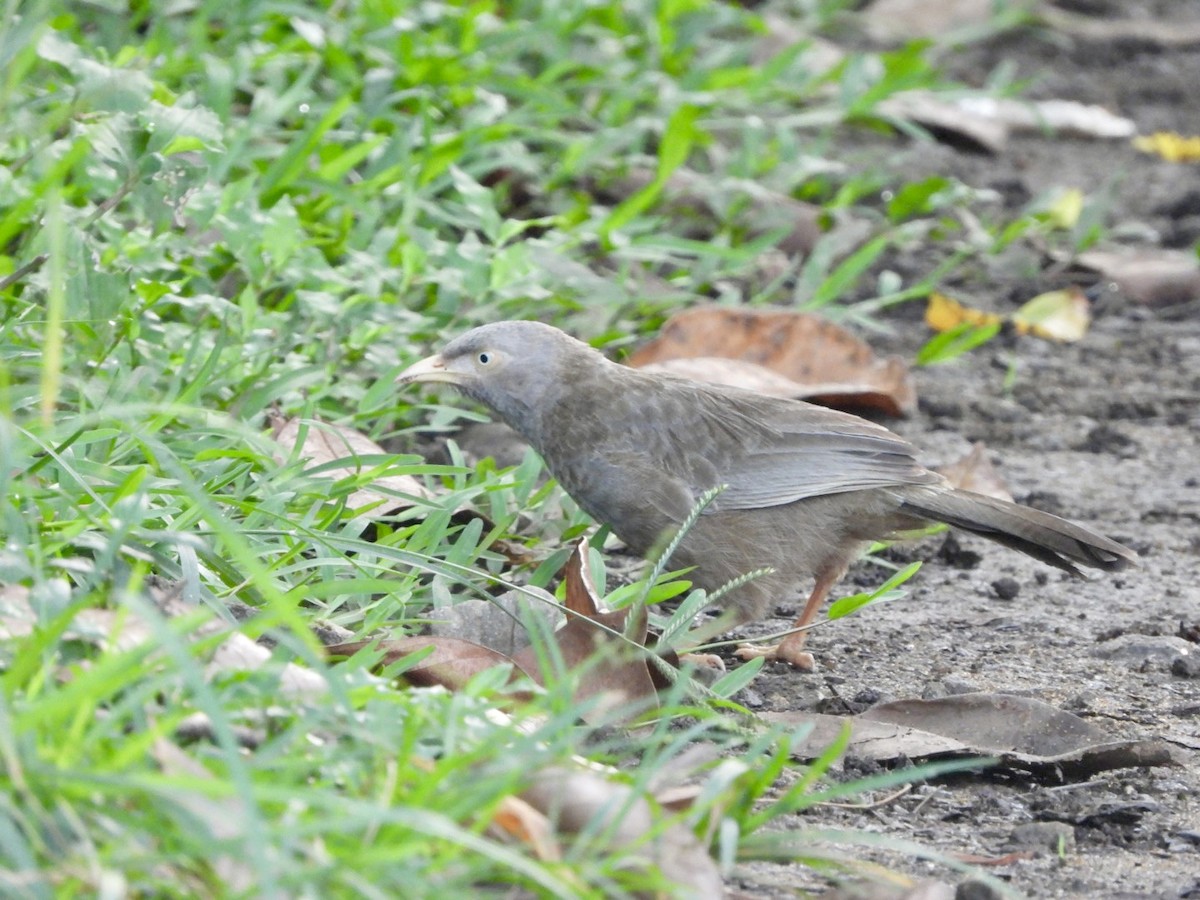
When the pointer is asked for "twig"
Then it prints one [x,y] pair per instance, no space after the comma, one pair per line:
[874,804]
[32,266]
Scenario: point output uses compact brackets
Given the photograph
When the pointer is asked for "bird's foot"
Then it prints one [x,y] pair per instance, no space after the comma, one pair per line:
[787,651]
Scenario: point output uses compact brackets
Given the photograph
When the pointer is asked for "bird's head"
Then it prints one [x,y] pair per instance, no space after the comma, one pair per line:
[516,368]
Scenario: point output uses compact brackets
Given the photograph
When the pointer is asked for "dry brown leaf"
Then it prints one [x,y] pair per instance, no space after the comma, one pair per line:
[584,802]
[1024,734]
[237,653]
[1152,277]
[827,364]
[781,33]
[986,123]
[618,675]
[124,629]
[974,472]
[498,622]
[1090,27]
[325,442]
[889,21]
[516,818]
[947,120]
[749,376]
[615,672]
[452,664]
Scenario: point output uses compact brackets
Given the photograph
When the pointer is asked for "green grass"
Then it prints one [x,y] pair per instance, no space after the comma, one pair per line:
[209,211]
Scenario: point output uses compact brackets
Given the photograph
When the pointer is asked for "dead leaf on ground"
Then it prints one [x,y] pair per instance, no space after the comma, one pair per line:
[943,313]
[1062,117]
[325,442]
[498,622]
[580,802]
[947,120]
[782,33]
[1159,32]
[618,674]
[1153,277]
[451,664]
[986,123]
[686,189]
[519,820]
[891,21]
[1023,734]
[826,363]
[1062,316]
[125,628]
[975,472]
[1170,146]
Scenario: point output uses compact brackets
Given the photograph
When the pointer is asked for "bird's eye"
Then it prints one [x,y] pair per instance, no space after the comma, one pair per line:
[484,359]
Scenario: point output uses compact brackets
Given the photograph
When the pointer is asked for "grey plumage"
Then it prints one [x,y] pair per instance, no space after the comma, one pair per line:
[806,486]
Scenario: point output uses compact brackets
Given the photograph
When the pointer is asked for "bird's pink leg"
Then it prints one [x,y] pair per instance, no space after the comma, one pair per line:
[791,649]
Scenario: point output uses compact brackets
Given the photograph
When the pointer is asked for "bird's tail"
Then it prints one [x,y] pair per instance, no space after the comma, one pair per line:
[1039,534]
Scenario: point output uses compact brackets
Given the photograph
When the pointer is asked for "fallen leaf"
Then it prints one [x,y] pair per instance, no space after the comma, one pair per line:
[1152,277]
[1056,316]
[1022,734]
[125,629]
[974,472]
[943,313]
[585,803]
[1090,27]
[889,21]
[1170,146]
[986,123]
[617,675]
[1063,117]
[782,33]
[1064,211]
[518,819]
[946,120]
[498,622]
[324,443]
[825,362]
[451,663]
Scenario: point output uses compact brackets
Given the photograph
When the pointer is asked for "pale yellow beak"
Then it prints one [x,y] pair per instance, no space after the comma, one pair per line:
[432,369]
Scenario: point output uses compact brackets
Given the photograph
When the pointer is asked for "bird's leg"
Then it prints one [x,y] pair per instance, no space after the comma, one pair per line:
[791,649]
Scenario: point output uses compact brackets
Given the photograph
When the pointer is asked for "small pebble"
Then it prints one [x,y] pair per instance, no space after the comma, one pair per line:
[975,890]
[1006,588]
[1186,666]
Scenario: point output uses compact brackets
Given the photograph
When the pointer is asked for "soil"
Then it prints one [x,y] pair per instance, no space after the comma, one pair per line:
[1105,431]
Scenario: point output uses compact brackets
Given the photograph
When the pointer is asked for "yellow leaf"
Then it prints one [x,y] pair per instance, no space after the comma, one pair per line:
[1056,316]
[1170,146]
[1064,212]
[943,313]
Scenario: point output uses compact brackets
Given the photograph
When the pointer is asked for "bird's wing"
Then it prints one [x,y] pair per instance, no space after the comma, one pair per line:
[770,451]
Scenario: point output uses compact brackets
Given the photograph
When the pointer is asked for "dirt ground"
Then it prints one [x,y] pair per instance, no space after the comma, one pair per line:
[1105,432]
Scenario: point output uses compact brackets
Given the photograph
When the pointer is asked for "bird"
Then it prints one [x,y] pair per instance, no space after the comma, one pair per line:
[802,489]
